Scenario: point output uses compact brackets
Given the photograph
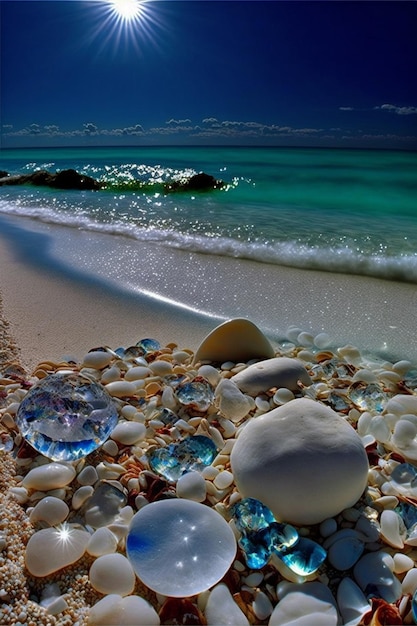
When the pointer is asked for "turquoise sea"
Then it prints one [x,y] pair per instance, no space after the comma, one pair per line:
[348,211]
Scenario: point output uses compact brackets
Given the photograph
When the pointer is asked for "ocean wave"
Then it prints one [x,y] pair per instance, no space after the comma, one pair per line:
[291,253]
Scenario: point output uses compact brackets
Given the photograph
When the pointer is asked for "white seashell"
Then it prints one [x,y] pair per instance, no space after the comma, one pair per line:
[110,375]
[401,404]
[352,602]
[402,367]
[97,359]
[121,389]
[113,610]
[129,433]
[222,610]
[101,542]
[88,475]
[223,480]
[138,373]
[402,563]
[80,496]
[20,494]
[49,476]
[262,605]
[409,583]
[309,604]
[231,402]
[376,569]
[276,372]
[112,573]
[51,549]
[191,486]
[393,530]
[237,340]
[343,554]
[210,373]
[51,510]
[161,368]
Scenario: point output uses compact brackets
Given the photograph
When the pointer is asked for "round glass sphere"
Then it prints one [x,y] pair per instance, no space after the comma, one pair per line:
[179,547]
[66,416]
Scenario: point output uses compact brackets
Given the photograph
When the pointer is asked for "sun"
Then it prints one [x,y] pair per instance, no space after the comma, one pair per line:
[127,9]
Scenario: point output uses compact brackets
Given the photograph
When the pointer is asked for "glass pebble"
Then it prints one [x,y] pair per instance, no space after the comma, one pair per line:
[6,442]
[180,548]
[414,607]
[66,416]
[251,515]
[405,474]
[368,397]
[148,345]
[193,453]
[197,394]
[305,557]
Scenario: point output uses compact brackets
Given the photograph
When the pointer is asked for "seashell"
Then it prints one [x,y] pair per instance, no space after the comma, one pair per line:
[51,510]
[113,610]
[129,433]
[402,563]
[409,582]
[352,603]
[51,549]
[393,530]
[276,372]
[121,389]
[402,404]
[231,402]
[237,340]
[112,573]
[383,614]
[222,609]
[138,373]
[161,368]
[97,360]
[374,570]
[49,476]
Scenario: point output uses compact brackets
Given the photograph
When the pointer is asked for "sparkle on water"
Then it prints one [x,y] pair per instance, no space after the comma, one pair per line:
[66,416]
[193,453]
[180,548]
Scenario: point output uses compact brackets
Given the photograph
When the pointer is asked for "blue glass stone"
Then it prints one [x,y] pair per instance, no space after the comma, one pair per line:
[369,397]
[282,537]
[414,607]
[304,558]
[197,394]
[405,474]
[166,416]
[66,416]
[148,345]
[408,513]
[256,553]
[193,453]
[251,515]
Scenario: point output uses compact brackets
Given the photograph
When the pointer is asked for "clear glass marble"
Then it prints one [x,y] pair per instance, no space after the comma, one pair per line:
[193,453]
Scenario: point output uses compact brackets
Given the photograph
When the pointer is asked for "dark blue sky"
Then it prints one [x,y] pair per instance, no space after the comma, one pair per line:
[216,72]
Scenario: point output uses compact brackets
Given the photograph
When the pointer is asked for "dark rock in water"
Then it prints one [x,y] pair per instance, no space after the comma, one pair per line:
[3,174]
[67,179]
[198,182]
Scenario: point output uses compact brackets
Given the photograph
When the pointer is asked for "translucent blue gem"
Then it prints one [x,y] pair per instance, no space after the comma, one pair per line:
[193,453]
[408,513]
[166,416]
[197,394]
[405,474]
[66,416]
[368,397]
[148,345]
[282,537]
[305,557]
[251,515]
[256,553]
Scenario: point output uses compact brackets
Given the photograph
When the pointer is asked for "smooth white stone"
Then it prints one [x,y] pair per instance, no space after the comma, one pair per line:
[49,476]
[97,360]
[110,375]
[352,602]
[80,496]
[262,605]
[101,542]
[88,475]
[113,610]
[20,494]
[138,373]
[254,579]
[237,340]
[401,404]
[392,529]
[307,604]
[302,460]
[161,368]
[375,568]
[409,583]
[402,563]
[222,610]
[55,605]
[231,402]
[129,433]
[305,339]
[191,486]
[121,388]
[402,367]
[51,510]
[210,373]
[283,395]
[343,554]
[322,340]
[223,479]
[328,527]
[112,573]
[110,447]
[277,372]
[51,549]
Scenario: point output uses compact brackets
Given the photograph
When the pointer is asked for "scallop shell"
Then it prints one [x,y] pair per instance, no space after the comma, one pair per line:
[235,340]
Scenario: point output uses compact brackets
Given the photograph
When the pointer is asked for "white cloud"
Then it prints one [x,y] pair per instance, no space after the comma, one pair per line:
[179,122]
[346,109]
[90,129]
[392,108]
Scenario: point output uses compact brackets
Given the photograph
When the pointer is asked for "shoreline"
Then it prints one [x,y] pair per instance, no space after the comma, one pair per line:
[79,290]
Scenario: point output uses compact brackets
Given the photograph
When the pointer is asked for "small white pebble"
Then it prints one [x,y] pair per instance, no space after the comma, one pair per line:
[254,579]
[88,475]
[409,583]
[223,479]
[110,447]
[322,340]
[210,472]
[262,605]
[161,368]
[192,486]
[80,496]
[402,563]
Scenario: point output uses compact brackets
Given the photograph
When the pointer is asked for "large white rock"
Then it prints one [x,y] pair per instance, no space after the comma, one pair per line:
[280,371]
[302,460]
